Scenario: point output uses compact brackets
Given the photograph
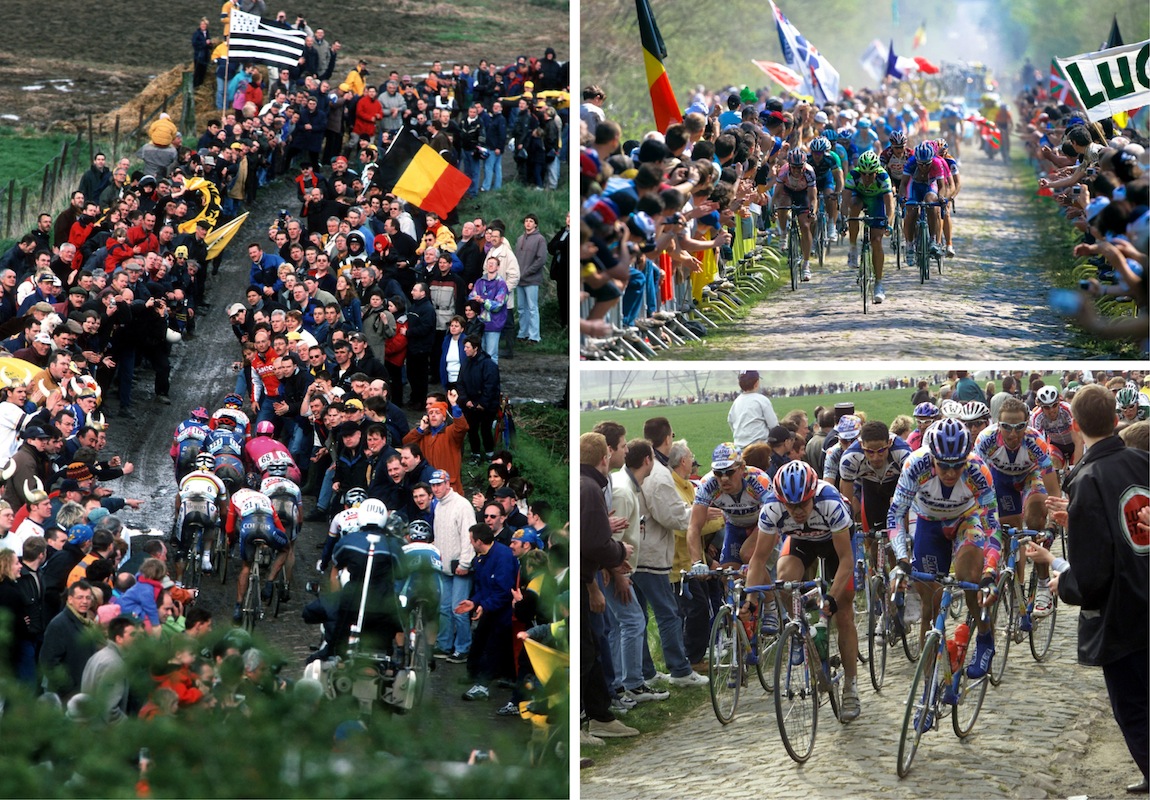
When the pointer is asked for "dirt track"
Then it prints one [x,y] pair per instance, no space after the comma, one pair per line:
[989,303]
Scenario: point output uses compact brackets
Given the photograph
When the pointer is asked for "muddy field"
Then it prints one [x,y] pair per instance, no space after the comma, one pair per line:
[96,57]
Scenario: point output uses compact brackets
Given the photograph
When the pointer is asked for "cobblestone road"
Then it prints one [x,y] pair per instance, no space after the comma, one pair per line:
[1031,740]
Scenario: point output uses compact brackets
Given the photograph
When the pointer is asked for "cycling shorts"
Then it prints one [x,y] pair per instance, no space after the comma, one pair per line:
[807,551]
[734,537]
[937,540]
[199,511]
[876,499]
[256,528]
[825,182]
[1067,450]
[872,204]
[919,191]
[798,198]
[1013,491]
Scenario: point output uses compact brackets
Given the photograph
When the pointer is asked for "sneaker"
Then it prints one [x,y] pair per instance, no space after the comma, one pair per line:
[909,257]
[853,258]
[913,608]
[692,678]
[623,700]
[610,730]
[645,694]
[440,654]
[661,677]
[923,720]
[983,654]
[833,237]
[206,564]
[238,614]
[770,620]
[935,249]
[879,292]
[477,692]
[587,740]
[851,707]
[266,594]
[797,654]
[1043,601]
[457,658]
[806,275]
[950,251]
[508,710]
[620,708]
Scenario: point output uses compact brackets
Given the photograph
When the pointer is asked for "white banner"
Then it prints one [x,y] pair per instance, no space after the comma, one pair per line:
[1108,82]
[820,79]
[873,61]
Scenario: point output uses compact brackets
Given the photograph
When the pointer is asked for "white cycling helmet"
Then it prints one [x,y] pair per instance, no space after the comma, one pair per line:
[1047,396]
[372,512]
[951,409]
[973,411]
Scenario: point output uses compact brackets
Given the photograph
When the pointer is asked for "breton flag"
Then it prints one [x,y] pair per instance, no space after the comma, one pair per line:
[418,174]
[820,79]
[654,51]
[252,38]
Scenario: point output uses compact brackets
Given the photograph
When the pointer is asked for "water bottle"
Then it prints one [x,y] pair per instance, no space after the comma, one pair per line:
[821,638]
[961,640]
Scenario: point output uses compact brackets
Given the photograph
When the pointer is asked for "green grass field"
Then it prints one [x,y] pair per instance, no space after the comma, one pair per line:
[704,426]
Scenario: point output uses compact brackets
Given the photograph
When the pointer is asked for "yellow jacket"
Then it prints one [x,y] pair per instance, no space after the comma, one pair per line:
[355,82]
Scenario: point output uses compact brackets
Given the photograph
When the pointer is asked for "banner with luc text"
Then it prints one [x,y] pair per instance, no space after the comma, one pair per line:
[1111,81]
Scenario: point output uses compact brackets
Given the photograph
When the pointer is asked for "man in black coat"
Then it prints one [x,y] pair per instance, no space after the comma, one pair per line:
[68,644]
[1108,537]
[479,389]
[420,343]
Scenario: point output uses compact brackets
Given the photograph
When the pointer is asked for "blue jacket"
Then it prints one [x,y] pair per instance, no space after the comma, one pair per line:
[495,573]
[496,125]
[264,272]
[447,343]
[479,382]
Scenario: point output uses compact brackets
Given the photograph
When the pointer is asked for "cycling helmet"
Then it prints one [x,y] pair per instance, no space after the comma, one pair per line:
[830,134]
[868,162]
[205,461]
[419,531]
[926,410]
[233,401]
[950,409]
[354,496]
[974,411]
[265,428]
[373,506]
[795,482]
[924,152]
[796,157]
[820,145]
[1047,396]
[370,517]
[226,422]
[948,440]
[200,413]
[278,470]
[863,124]
[897,139]
[396,524]
[1125,398]
[848,427]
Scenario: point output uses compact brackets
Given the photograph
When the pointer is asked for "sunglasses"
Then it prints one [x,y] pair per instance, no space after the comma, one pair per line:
[1013,427]
[726,473]
[951,466]
[874,451]
[491,516]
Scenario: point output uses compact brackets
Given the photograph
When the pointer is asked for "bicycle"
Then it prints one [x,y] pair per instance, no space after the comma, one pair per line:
[938,686]
[896,234]
[881,626]
[735,643]
[219,553]
[797,684]
[1016,617]
[923,241]
[866,280]
[822,228]
[794,249]
[253,607]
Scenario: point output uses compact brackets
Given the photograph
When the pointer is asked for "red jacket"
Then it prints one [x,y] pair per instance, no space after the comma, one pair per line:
[367,113]
[147,242]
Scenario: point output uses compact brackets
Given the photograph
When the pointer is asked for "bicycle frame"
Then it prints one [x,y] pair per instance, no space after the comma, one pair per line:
[922,237]
[866,279]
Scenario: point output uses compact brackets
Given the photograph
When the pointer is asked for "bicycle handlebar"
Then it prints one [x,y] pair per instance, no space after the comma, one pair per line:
[924,203]
[945,580]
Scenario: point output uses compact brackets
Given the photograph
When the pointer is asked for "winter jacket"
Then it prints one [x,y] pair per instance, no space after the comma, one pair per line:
[666,513]
[493,294]
[479,381]
[454,516]
[443,446]
[531,253]
[421,326]
[448,294]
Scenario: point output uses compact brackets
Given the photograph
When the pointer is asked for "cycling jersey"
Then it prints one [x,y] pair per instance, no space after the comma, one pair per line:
[948,120]
[243,424]
[894,162]
[864,139]
[202,483]
[829,515]
[952,164]
[798,181]
[854,466]
[879,187]
[1058,431]
[825,168]
[224,441]
[831,461]
[276,486]
[255,517]
[190,430]
[937,170]
[1032,456]
[264,452]
[920,490]
[741,509]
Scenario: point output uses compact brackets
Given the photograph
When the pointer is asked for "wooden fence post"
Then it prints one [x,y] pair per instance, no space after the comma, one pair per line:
[188,112]
[116,140]
[63,165]
[11,194]
[44,184]
[23,202]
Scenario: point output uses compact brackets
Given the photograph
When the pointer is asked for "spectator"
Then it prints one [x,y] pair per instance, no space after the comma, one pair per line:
[531,253]
[751,416]
[440,442]
[496,570]
[454,519]
[68,643]
[105,675]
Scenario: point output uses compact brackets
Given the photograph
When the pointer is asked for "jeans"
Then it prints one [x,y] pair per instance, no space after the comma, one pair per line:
[221,84]
[492,170]
[454,629]
[323,502]
[642,288]
[696,612]
[293,434]
[267,410]
[627,636]
[491,344]
[655,595]
[553,171]
[528,302]
[471,166]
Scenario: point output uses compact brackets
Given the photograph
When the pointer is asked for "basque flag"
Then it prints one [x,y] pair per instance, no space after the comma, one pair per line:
[654,51]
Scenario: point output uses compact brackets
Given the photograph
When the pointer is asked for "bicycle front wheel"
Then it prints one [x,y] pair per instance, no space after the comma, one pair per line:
[923,244]
[193,574]
[968,698]
[1004,621]
[821,239]
[920,704]
[866,272]
[1041,628]
[252,602]
[220,555]
[796,701]
[725,664]
[418,657]
[794,254]
[768,643]
[878,633]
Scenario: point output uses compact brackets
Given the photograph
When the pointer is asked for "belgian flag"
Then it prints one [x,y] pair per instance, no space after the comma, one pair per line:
[654,51]
[412,170]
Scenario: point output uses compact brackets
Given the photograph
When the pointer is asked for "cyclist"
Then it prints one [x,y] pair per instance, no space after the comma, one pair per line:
[252,518]
[342,524]
[197,503]
[869,471]
[815,521]
[923,175]
[950,124]
[1131,405]
[233,409]
[374,594]
[976,417]
[847,428]
[829,176]
[287,500]
[869,188]
[864,138]
[187,440]
[925,415]
[1023,475]
[263,451]
[950,493]
[798,183]
[950,192]
[424,581]
[893,159]
[1051,417]
[227,445]
[737,490]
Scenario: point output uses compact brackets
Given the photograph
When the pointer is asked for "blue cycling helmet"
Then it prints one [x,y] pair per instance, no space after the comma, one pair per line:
[924,152]
[820,145]
[830,134]
[948,440]
[795,482]
[233,401]
[926,410]
[863,124]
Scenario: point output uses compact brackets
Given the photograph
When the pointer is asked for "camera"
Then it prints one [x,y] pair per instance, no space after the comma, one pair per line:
[1084,285]
[1076,190]
[282,215]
